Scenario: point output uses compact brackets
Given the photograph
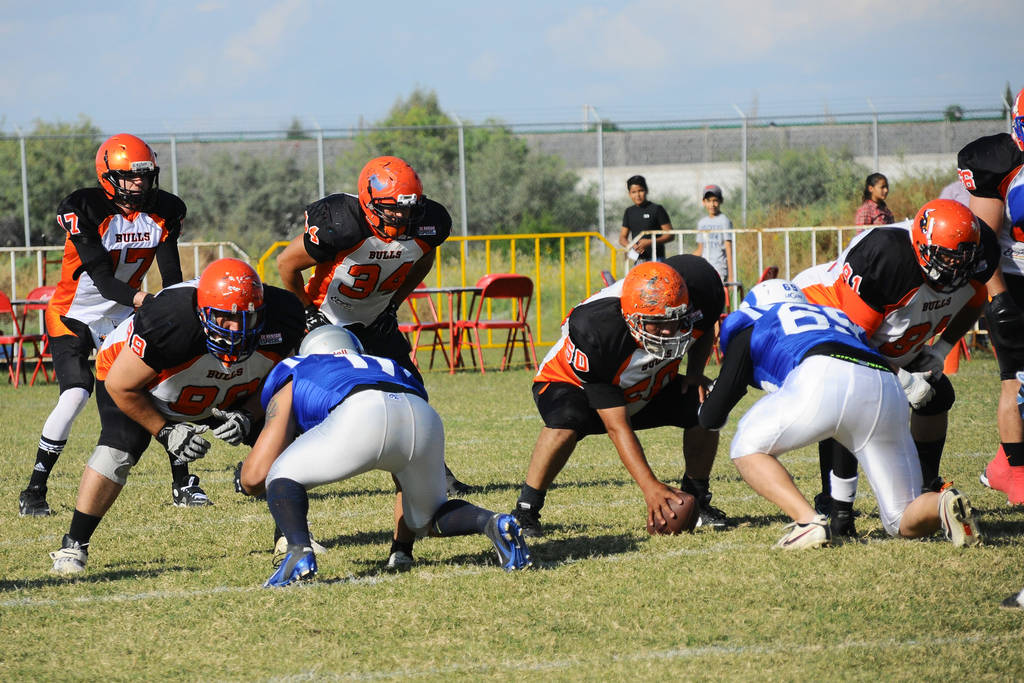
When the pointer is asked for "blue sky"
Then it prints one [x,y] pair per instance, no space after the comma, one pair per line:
[223,65]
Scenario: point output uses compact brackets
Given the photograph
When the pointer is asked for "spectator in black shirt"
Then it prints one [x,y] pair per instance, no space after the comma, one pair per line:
[643,216]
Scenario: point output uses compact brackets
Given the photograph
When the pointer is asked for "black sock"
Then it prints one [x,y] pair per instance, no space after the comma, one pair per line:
[401,546]
[46,458]
[530,498]
[289,504]
[698,488]
[842,505]
[458,518]
[929,453]
[179,473]
[844,463]
[83,526]
[1014,453]
[825,465]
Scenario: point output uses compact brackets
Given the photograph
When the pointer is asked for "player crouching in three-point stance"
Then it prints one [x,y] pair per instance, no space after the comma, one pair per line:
[190,360]
[616,370]
[333,413]
[825,382]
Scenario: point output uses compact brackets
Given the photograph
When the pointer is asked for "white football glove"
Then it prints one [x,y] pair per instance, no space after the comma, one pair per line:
[916,386]
[931,359]
[234,427]
[183,442]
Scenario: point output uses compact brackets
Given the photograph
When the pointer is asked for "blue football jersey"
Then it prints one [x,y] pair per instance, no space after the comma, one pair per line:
[322,381]
[783,334]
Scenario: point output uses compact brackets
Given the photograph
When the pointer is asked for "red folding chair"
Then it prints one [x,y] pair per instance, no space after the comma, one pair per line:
[424,319]
[517,291]
[38,299]
[12,344]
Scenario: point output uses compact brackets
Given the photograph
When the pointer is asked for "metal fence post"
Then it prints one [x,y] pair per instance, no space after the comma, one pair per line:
[600,169]
[320,159]
[744,161]
[24,188]
[462,184]
[874,132]
[174,165]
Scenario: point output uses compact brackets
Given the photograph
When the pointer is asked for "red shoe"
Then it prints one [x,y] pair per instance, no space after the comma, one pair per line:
[999,475]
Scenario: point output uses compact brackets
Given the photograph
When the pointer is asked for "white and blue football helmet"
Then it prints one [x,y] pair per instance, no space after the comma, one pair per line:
[769,292]
[330,339]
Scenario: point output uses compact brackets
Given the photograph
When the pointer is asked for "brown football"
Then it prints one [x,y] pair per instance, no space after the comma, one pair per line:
[685,519]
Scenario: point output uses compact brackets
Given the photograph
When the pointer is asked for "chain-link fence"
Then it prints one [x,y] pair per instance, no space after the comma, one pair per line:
[287,169]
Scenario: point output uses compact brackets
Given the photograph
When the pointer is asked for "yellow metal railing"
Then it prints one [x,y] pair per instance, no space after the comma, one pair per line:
[572,262]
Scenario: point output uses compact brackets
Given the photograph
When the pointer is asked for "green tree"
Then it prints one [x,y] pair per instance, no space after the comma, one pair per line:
[296,131]
[953,112]
[802,178]
[60,158]
[247,199]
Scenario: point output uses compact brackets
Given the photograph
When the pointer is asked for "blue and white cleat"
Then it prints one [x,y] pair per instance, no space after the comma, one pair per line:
[299,564]
[507,537]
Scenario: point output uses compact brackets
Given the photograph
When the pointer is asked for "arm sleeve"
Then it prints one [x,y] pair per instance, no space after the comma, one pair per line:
[168,261]
[96,261]
[737,372]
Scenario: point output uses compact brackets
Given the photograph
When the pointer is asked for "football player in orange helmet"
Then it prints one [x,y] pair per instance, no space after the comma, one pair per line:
[617,370]
[992,169]
[947,238]
[368,252]
[189,363]
[127,171]
[391,196]
[113,233]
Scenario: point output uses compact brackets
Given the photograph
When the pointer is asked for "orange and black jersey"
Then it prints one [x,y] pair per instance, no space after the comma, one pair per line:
[357,271]
[106,255]
[167,335]
[993,167]
[598,353]
[881,287]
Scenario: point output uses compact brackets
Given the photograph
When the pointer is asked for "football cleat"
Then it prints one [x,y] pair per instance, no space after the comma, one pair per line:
[1015,601]
[814,534]
[507,537]
[299,565]
[400,561]
[32,502]
[957,518]
[841,524]
[456,489]
[281,548]
[712,518]
[71,557]
[529,521]
[1001,476]
[188,494]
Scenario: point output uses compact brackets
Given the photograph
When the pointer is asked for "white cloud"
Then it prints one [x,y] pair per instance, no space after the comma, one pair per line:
[483,67]
[257,45]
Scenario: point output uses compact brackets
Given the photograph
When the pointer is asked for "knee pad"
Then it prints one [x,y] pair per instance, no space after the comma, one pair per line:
[112,463]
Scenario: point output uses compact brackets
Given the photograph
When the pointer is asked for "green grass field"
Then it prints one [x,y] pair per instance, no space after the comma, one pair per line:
[175,593]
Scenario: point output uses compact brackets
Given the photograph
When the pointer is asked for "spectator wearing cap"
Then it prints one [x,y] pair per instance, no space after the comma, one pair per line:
[714,234]
[644,216]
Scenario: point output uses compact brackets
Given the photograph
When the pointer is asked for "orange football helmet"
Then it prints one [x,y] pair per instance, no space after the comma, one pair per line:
[1017,120]
[391,195]
[121,160]
[947,242]
[230,301]
[655,294]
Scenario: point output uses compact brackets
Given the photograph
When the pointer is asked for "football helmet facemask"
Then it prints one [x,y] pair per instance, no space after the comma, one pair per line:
[330,339]
[655,295]
[1017,120]
[947,243]
[777,291]
[127,171]
[230,302]
[391,196]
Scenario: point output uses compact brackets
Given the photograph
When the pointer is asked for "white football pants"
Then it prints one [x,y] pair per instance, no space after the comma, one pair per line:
[375,430]
[862,408]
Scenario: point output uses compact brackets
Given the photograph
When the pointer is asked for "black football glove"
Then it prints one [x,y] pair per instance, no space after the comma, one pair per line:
[1005,321]
[315,318]
[183,442]
[385,324]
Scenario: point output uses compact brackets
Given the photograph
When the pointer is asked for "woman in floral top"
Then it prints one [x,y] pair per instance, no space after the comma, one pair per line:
[874,211]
